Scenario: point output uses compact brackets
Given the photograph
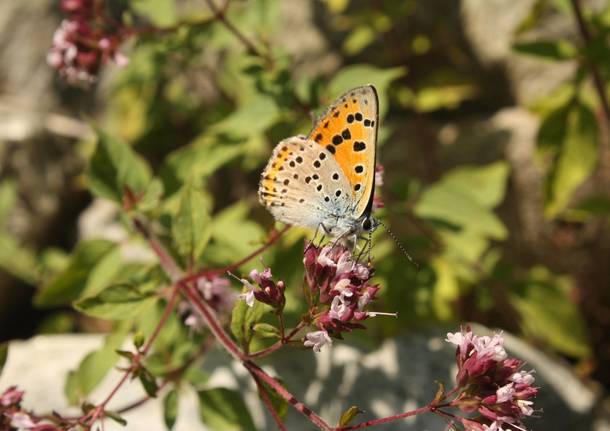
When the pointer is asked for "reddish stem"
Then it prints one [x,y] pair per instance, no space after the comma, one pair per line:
[287,396]
[166,261]
[267,401]
[393,418]
[277,345]
[275,235]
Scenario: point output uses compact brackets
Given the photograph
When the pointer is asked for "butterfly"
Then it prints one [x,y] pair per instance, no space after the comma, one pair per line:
[327,178]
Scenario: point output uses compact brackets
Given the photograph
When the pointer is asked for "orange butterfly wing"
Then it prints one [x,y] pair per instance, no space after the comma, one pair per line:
[348,130]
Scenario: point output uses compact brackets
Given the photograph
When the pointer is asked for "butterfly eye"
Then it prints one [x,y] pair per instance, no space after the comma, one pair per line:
[367,224]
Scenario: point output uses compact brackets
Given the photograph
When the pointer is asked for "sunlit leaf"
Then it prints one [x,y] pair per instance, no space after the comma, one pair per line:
[251,118]
[94,367]
[223,409]
[577,158]
[243,319]
[159,12]
[119,302]
[115,166]
[548,49]
[361,74]
[446,289]
[349,415]
[191,227]
[549,313]
[465,197]
[68,285]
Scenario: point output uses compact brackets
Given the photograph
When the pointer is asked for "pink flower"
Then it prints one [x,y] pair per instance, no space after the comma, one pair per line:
[21,420]
[217,292]
[11,397]
[248,295]
[84,41]
[267,291]
[340,286]
[317,340]
[491,383]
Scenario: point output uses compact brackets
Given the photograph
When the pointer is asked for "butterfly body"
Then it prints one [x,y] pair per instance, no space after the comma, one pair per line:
[326,179]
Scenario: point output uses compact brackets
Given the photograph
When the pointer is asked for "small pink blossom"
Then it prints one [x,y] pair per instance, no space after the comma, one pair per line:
[21,420]
[11,397]
[523,377]
[317,340]
[505,393]
[248,295]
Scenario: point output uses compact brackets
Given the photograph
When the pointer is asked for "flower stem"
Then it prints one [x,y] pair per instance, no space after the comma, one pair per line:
[275,235]
[393,418]
[287,396]
[267,401]
[595,74]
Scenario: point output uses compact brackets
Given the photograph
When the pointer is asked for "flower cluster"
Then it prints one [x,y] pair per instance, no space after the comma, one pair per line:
[491,383]
[12,416]
[86,39]
[267,291]
[217,293]
[340,287]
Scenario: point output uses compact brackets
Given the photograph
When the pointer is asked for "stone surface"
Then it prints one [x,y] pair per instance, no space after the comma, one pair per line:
[397,376]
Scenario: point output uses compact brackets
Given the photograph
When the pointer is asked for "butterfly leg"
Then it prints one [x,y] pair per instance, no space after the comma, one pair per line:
[366,246]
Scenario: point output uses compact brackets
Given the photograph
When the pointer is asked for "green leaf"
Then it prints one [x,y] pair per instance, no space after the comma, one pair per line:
[68,285]
[94,367]
[252,117]
[149,383]
[553,128]
[118,302]
[265,330]
[170,408]
[3,355]
[18,259]
[358,39]
[191,227]
[8,194]
[349,415]
[222,409]
[446,289]
[361,74]
[577,158]
[114,166]
[442,96]
[115,417]
[160,12]
[596,205]
[243,318]
[198,161]
[234,233]
[151,197]
[464,197]
[548,49]
[548,313]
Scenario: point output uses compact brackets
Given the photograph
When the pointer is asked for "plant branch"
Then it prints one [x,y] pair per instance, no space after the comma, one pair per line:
[267,401]
[167,262]
[278,344]
[595,74]
[220,15]
[287,396]
[425,409]
[275,235]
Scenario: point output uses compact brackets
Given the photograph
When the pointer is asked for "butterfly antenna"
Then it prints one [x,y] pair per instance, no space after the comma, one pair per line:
[399,245]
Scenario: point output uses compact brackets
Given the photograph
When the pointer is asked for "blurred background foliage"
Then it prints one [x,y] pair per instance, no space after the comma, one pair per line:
[493,139]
